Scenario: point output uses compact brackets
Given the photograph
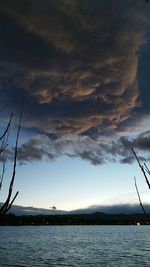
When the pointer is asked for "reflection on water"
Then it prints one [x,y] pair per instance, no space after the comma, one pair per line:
[94,246]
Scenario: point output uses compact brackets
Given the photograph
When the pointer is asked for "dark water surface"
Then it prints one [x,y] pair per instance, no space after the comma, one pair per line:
[95,246]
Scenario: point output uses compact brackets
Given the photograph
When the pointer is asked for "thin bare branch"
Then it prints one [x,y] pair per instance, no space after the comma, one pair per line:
[7,128]
[8,208]
[144,211]
[5,136]
[3,170]
[147,169]
[141,167]
[2,149]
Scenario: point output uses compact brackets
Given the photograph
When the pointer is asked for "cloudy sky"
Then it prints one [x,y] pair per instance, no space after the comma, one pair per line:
[82,68]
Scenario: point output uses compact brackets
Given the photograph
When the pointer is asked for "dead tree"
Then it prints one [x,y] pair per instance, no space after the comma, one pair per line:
[3,153]
[145,170]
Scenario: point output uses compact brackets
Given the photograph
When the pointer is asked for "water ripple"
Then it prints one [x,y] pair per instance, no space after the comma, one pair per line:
[74,246]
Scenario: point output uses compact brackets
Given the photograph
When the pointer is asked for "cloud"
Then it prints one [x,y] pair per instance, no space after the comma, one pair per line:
[36,148]
[21,210]
[77,67]
[97,152]
[110,209]
[113,209]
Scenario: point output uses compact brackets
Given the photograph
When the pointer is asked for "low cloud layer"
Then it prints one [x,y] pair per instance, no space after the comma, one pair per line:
[77,66]
[111,209]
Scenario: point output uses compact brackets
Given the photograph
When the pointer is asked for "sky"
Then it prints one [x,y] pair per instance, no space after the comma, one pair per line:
[82,69]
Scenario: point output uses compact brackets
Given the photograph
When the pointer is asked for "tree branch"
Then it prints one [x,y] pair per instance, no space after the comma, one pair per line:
[141,167]
[7,205]
[146,215]
[7,128]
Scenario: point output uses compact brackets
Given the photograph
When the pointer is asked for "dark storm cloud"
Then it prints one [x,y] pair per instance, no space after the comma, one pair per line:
[76,65]
[143,76]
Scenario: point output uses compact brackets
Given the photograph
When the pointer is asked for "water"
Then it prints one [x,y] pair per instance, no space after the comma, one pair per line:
[94,246]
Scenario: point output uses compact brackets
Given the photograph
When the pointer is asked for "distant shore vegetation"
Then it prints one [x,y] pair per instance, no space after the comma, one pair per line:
[75,219]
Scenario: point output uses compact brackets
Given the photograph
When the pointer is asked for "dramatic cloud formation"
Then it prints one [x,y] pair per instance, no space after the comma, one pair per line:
[78,66]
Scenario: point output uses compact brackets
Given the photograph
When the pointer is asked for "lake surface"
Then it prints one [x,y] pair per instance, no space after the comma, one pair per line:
[94,246]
